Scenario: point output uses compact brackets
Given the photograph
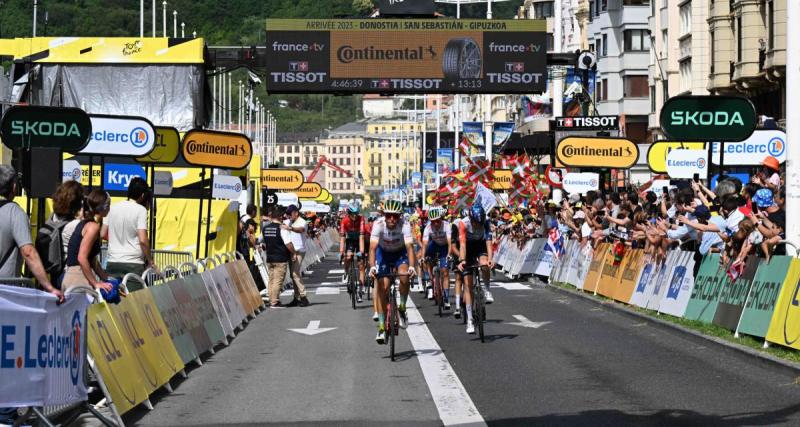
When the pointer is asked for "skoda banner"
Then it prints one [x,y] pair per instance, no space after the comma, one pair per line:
[120,136]
[581,183]
[226,187]
[684,164]
[117,176]
[753,150]
[43,127]
[43,350]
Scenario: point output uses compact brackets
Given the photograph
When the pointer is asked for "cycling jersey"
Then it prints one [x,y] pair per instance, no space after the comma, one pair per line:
[480,233]
[352,229]
[439,236]
[391,240]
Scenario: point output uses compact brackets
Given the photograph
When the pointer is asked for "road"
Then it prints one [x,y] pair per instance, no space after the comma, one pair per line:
[590,365]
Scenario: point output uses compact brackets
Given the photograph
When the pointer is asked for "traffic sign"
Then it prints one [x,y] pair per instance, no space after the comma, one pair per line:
[708,118]
[657,153]
[596,152]
[120,136]
[282,179]
[684,164]
[216,149]
[46,127]
[309,190]
[167,147]
[554,176]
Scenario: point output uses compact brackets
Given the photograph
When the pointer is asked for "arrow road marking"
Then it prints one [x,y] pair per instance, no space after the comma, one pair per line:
[312,329]
[527,323]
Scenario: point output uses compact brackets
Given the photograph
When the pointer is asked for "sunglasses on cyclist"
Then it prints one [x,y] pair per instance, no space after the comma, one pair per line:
[393,216]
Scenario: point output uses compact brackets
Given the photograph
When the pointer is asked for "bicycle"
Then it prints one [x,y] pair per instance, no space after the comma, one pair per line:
[437,283]
[392,311]
[352,280]
[478,299]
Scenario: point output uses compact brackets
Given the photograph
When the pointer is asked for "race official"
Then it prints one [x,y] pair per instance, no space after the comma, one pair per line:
[297,227]
[280,250]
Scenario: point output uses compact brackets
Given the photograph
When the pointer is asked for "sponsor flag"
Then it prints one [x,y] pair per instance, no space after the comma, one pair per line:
[555,242]
[501,133]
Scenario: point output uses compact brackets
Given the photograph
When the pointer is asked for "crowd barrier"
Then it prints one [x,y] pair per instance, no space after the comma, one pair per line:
[763,302]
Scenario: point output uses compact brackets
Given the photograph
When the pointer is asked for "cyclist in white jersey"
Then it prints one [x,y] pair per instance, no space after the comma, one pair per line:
[391,245]
[436,245]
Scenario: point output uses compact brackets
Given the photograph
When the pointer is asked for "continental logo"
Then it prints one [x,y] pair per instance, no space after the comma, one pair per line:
[588,152]
[282,179]
[502,179]
[347,54]
[309,190]
[217,149]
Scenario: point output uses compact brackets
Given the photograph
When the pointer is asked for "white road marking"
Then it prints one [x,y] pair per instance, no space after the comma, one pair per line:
[312,329]
[527,323]
[449,395]
[511,286]
[287,293]
[338,271]
[327,291]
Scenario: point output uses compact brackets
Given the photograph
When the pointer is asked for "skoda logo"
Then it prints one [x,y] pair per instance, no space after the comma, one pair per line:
[776,147]
[75,360]
[139,137]
[701,163]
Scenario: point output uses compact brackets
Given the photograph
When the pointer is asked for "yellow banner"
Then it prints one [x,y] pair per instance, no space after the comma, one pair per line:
[587,152]
[309,190]
[167,147]
[281,179]
[658,151]
[115,360]
[216,149]
[502,179]
[105,50]
[784,328]
[323,196]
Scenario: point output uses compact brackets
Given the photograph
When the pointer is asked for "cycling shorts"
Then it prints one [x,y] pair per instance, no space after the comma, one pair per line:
[475,250]
[386,261]
[439,252]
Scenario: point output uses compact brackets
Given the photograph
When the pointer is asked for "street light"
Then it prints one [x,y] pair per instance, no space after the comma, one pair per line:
[175,24]
[183,30]
[164,18]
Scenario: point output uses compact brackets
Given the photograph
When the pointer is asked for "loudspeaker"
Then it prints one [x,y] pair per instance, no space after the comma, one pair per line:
[41,171]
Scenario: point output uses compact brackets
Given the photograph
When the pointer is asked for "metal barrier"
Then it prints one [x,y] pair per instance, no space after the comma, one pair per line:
[160,257]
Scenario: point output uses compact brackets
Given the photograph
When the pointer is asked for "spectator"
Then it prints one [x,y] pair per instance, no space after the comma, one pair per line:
[770,221]
[126,232]
[710,228]
[83,266]
[280,251]
[297,227]
[769,174]
[247,240]
[67,212]
[15,236]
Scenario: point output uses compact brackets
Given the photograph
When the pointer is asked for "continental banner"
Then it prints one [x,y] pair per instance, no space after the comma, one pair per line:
[784,328]
[760,306]
[632,265]
[609,275]
[178,331]
[42,349]
[708,285]
[732,298]
[116,362]
[681,283]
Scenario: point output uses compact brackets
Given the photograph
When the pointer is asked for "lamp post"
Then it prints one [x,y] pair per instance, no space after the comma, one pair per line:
[141,18]
[164,18]
[183,30]
[154,18]
[175,24]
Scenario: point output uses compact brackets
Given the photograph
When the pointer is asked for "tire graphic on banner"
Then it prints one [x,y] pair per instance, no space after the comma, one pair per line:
[462,59]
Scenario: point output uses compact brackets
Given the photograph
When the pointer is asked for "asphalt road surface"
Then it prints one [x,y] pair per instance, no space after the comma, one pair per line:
[549,359]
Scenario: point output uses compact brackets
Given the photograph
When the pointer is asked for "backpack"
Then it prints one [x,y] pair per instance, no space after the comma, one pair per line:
[50,247]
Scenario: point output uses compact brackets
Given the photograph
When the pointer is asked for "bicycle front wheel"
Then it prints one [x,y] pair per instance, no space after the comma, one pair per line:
[394,322]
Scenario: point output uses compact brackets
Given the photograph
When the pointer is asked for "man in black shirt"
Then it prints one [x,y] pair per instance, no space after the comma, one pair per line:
[279,250]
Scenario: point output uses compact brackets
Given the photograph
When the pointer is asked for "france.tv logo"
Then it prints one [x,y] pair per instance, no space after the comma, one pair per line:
[139,137]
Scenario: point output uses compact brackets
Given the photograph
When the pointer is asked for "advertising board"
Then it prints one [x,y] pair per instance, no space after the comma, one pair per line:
[684,164]
[597,152]
[753,150]
[708,118]
[406,56]
[216,149]
[120,136]
[34,126]
[281,179]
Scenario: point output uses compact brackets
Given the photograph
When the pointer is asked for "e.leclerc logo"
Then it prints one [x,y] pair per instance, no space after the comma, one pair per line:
[701,163]
[776,147]
[237,188]
[50,350]
[138,137]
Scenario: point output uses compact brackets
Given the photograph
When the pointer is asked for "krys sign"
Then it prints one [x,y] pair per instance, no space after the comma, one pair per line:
[45,127]
[585,152]
[216,149]
[708,118]
[120,136]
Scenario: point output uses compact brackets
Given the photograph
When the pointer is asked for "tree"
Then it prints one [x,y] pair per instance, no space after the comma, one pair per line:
[363,7]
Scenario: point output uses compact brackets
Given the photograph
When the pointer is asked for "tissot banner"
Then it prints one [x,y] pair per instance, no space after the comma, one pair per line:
[42,348]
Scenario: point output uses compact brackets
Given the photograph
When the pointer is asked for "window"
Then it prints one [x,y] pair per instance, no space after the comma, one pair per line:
[605,45]
[635,87]
[280,148]
[603,5]
[637,40]
[543,10]
[636,2]
[592,11]
[602,90]
[664,42]
[297,160]
[591,47]
[771,25]
[550,42]
[686,75]
[739,37]
[686,18]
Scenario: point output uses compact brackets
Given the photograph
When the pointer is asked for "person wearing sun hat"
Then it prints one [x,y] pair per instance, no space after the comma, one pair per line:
[769,175]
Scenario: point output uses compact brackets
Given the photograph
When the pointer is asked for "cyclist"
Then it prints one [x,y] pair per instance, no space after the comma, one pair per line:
[351,241]
[454,255]
[391,245]
[436,245]
[475,245]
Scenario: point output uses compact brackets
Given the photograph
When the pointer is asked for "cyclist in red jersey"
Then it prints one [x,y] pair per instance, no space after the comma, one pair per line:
[352,232]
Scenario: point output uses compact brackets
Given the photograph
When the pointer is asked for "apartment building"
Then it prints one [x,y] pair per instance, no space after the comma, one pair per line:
[620,36]
[299,152]
[680,54]
[747,51]
[344,147]
[392,153]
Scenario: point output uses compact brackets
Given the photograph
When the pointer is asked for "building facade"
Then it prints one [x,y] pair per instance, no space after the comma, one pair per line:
[344,147]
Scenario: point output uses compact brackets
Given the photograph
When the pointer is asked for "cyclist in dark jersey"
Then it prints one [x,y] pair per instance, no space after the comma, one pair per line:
[351,241]
[475,239]
[454,256]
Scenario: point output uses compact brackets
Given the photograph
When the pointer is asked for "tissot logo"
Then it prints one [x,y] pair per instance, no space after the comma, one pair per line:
[347,54]
[298,66]
[514,48]
[514,67]
[593,122]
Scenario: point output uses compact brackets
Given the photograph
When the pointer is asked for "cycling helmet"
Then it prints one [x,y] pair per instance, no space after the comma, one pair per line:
[392,207]
[353,209]
[477,214]
[434,214]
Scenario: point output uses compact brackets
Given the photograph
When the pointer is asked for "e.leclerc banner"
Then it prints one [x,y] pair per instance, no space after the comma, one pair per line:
[42,348]
[120,136]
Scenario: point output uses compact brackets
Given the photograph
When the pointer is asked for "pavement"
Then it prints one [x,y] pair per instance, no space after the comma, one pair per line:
[550,358]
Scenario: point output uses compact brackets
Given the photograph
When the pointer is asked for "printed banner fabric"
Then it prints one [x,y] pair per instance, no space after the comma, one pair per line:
[204,308]
[681,283]
[732,298]
[708,285]
[176,326]
[596,267]
[764,294]
[631,266]
[784,329]
[42,348]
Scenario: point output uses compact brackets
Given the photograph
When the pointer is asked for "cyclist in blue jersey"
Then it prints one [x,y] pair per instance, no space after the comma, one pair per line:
[475,241]
[436,245]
